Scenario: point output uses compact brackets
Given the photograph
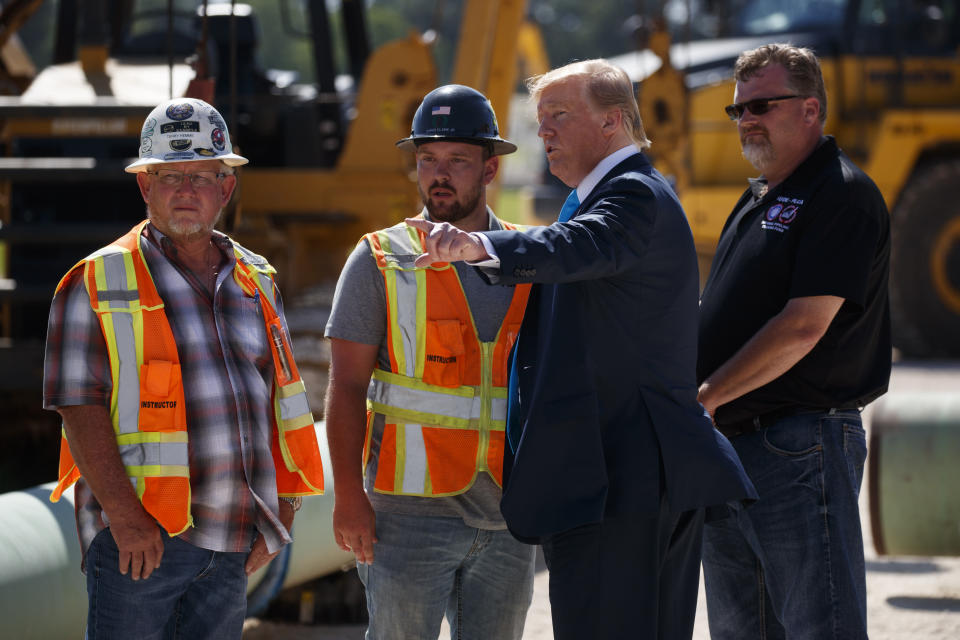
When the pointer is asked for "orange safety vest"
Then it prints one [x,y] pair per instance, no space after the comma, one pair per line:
[444,400]
[147,400]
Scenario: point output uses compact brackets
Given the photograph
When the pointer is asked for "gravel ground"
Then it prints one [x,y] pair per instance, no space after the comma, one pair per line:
[908,598]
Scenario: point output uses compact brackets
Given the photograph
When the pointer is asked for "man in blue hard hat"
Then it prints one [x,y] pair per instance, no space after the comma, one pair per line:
[612,461]
[416,408]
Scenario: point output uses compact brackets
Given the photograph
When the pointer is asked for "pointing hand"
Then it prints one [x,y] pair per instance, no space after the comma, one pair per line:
[447,243]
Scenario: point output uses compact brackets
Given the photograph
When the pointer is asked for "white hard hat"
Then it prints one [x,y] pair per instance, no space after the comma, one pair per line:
[184,130]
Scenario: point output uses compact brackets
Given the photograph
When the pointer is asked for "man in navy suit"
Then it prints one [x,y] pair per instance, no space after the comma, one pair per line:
[613,459]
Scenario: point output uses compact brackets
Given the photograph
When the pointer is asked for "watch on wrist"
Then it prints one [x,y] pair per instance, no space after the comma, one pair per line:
[296,502]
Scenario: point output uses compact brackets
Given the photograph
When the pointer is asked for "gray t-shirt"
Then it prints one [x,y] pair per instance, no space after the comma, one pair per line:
[359,314]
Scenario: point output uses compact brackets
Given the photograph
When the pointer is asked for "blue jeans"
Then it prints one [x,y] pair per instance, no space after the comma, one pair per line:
[426,566]
[791,564]
[195,593]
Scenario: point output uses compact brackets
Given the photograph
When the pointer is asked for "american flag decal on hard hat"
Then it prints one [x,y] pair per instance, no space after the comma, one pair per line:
[440,111]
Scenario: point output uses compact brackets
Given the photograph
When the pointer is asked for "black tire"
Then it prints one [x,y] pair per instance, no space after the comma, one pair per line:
[925,264]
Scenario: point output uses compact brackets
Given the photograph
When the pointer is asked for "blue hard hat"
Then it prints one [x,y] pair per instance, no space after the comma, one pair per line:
[456,113]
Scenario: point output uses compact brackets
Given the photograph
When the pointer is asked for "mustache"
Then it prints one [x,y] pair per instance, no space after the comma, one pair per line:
[756,129]
[441,185]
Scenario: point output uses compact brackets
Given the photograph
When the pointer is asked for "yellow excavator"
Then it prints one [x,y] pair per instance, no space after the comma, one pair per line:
[892,73]
[323,171]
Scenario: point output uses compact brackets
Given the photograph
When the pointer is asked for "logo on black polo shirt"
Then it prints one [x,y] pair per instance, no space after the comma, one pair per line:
[779,216]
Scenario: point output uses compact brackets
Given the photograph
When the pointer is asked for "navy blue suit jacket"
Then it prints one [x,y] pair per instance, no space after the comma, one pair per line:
[606,361]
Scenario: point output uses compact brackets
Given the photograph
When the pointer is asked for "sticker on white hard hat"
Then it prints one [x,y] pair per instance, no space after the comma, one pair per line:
[184,130]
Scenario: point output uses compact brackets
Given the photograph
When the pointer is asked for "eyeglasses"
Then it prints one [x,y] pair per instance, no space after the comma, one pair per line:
[757,106]
[199,180]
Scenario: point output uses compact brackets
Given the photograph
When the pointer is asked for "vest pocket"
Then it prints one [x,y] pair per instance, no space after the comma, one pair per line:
[443,361]
[451,458]
[161,397]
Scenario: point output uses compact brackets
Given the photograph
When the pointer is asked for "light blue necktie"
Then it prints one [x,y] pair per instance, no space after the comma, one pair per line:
[513,394]
[570,205]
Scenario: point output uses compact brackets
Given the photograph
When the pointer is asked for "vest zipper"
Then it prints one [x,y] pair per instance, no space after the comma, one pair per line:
[486,400]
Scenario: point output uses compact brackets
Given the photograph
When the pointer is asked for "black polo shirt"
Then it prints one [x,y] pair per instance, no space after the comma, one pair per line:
[824,230]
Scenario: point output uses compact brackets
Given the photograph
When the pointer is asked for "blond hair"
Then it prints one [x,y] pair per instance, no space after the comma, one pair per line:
[801,64]
[608,87]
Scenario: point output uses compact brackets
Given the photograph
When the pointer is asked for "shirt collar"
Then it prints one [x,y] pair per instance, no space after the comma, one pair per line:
[165,244]
[593,178]
[826,146]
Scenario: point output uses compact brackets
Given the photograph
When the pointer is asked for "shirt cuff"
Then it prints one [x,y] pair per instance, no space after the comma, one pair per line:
[493,262]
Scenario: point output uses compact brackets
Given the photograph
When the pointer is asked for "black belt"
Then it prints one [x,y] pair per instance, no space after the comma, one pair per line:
[764,420]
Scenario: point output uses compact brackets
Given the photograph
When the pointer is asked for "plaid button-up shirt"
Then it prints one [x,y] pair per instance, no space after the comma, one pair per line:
[228,376]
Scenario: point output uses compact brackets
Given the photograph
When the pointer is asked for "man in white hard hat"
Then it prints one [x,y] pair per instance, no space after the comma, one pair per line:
[186,425]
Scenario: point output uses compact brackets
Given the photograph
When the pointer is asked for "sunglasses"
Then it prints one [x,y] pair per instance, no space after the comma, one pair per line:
[757,106]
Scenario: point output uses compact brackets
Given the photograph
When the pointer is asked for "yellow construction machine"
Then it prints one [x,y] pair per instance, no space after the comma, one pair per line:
[323,170]
[892,72]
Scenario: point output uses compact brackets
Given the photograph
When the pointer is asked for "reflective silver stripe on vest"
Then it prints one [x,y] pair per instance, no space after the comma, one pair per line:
[118,295]
[402,249]
[498,408]
[123,300]
[155,454]
[399,256]
[458,407]
[266,286]
[407,317]
[414,460]
[294,406]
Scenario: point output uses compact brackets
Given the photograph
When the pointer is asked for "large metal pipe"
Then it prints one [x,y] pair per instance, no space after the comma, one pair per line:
[43,593]
[915,475]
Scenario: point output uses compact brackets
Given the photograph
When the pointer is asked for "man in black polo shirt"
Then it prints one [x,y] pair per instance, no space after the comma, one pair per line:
[794,341]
